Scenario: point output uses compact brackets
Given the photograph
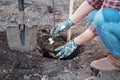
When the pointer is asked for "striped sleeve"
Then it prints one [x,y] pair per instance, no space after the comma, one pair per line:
[95,3]
[92,28]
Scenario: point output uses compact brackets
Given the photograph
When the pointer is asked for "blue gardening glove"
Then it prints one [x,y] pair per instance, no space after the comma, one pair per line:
[61,27]
[67,49]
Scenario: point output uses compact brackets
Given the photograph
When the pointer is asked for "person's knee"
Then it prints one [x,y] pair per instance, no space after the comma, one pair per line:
[107,15]
[90,16]
[99,18]
[106,18]
[111,15]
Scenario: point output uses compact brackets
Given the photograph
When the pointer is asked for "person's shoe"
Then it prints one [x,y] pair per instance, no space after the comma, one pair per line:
[108,63]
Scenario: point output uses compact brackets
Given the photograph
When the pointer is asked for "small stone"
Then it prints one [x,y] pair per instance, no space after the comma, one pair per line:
[91,78]
[27,77]
[66,70]
[45,77]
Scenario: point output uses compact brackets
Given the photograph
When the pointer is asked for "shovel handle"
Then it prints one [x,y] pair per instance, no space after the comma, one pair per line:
[21,5]
[21,13]
[70,13]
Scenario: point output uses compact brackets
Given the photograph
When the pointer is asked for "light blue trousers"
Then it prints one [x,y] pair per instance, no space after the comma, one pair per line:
[107,23]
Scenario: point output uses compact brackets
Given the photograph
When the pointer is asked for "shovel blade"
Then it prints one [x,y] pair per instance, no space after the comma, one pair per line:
[29,38]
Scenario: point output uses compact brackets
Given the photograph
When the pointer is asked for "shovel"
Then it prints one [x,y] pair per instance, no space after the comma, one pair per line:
[21,37]
[21,21]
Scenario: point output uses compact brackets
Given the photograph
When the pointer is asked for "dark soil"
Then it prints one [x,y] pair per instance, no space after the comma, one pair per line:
[48,49]
[32,66]
[37,65]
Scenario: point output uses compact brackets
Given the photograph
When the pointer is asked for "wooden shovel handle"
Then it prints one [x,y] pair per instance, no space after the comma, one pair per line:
[70,13]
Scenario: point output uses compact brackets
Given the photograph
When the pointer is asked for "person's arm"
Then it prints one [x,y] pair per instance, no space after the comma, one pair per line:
[81,12]
[84,37]
[72,45]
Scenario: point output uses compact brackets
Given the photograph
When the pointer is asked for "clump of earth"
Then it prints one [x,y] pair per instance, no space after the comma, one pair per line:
[49,49]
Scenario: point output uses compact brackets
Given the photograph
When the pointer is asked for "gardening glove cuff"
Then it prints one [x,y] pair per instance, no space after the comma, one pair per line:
[68,23]
[62,26]
[67,49]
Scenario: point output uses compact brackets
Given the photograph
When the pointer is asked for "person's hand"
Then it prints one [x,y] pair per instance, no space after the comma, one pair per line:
[63,26]
[67,49]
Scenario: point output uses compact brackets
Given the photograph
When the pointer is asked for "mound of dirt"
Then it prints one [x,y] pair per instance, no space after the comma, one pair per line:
[48,49]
